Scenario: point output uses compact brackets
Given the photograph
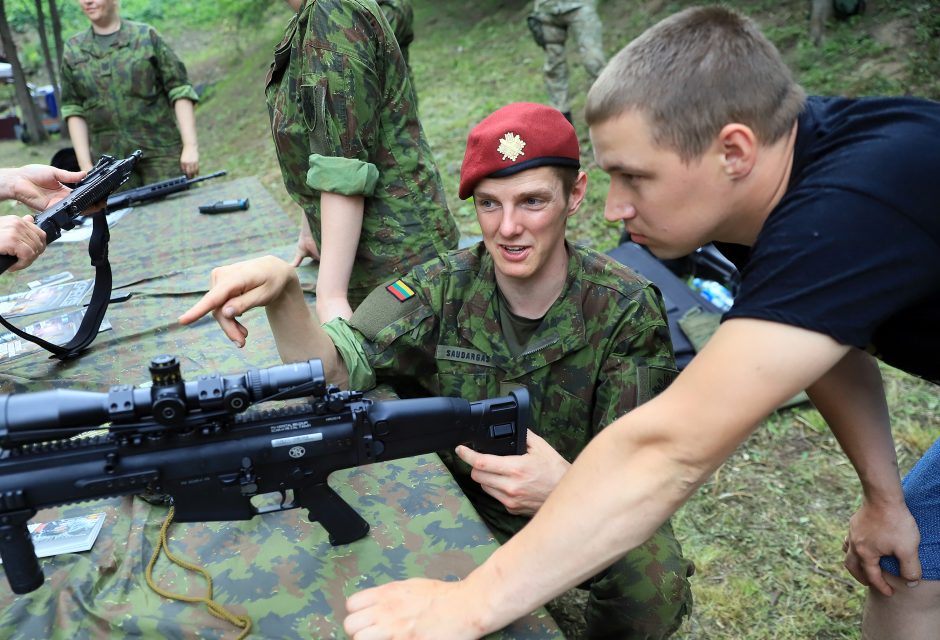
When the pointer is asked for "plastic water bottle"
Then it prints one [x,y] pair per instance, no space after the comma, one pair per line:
[714,292]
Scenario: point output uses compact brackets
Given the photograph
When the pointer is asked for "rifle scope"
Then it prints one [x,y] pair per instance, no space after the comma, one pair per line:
[33,417]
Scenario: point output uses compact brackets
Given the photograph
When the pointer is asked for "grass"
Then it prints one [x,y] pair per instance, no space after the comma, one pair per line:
[766,531]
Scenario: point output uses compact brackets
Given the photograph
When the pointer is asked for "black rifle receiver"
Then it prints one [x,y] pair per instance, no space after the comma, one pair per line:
[155,191]
[195,441]
[106,176]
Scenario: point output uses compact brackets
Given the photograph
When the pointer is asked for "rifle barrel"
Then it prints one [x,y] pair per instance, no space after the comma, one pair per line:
[208,177]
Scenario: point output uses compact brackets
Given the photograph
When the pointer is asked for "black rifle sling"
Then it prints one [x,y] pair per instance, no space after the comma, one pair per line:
[100,296]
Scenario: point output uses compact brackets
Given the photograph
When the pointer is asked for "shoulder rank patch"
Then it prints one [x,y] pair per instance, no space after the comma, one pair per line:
[400,290]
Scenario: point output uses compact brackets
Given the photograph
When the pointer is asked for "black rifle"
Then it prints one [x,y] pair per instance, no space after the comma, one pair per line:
[192,441]
[106,176]
[155,191]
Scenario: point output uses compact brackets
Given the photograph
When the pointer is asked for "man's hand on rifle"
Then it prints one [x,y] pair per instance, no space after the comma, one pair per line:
[36,185]
[520,483]
[238,287]
[21,237]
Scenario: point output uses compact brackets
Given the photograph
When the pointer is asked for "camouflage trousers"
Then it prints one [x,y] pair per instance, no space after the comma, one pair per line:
[585,26]
[642,596]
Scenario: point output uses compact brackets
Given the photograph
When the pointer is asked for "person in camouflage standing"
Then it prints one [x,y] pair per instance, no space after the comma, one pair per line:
[124,89]
[352,152]
[585,335]
[549,23]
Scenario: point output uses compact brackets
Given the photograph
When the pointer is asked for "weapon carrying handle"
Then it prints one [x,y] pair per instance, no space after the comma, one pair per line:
[324,505]
[19,557]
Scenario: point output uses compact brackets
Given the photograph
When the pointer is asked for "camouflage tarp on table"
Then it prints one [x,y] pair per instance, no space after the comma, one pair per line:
[161,255]
[278,568]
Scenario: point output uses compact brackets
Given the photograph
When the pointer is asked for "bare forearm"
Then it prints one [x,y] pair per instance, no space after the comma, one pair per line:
[78,132]
[186,122]
[634,482]
[341,226]
[7,178]
[298,335]
[851,399]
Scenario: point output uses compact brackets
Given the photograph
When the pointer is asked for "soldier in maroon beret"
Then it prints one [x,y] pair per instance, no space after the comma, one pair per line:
[583,334]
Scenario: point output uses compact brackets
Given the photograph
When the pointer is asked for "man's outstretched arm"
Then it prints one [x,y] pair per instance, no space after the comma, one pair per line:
[624,485]
[271,283]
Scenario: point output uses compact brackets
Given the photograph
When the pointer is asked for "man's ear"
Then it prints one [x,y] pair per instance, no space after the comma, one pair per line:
[578,191]
[738,149]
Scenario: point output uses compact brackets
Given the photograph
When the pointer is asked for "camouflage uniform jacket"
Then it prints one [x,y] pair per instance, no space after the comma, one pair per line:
[344,121]
[125,92]
[602,348]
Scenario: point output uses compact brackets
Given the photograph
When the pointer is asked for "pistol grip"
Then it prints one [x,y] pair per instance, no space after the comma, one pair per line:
[324,505]
[19,558]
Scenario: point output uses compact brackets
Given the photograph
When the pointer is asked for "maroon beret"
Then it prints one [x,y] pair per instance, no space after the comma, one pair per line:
[519,136]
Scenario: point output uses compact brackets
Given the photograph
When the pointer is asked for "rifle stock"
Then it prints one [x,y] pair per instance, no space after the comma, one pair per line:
[196,442]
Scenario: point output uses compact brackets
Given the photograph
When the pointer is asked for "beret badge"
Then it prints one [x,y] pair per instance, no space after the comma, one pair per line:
[511,146]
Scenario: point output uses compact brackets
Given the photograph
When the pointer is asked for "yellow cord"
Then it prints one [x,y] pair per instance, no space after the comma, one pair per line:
[216,609]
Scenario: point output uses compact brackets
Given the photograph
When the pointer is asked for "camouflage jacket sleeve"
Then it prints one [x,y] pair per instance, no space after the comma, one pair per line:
[172,70]
[348,86]
[71,102]
[641,362]
[391,337]
[348,342]
[400,16]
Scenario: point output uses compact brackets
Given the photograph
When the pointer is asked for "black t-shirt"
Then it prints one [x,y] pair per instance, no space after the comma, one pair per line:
[853,248]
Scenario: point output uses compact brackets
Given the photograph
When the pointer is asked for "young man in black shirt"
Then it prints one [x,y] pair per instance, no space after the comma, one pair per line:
[706,137]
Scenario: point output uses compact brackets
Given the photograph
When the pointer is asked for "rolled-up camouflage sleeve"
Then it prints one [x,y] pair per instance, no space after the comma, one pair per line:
[172,71]
[348,342]
[641,362]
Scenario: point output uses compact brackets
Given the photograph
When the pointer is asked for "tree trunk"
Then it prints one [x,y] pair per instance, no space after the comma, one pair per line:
[37,133]
[44,43]
[56,32]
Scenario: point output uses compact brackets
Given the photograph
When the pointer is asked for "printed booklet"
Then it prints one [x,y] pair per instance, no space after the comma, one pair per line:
[68,535]
[57,296]
[57,330]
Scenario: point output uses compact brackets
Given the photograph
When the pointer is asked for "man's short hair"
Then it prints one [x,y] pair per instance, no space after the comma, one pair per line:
[695,72]
[567,176]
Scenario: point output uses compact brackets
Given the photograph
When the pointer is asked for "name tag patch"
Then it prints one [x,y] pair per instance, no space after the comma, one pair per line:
[462,354]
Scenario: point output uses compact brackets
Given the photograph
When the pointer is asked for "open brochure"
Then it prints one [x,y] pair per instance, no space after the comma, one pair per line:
[47,281]
[57,329]
[67,535]
[48,298]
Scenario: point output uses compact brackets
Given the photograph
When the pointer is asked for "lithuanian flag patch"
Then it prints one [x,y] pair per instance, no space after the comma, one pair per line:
[400,290]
